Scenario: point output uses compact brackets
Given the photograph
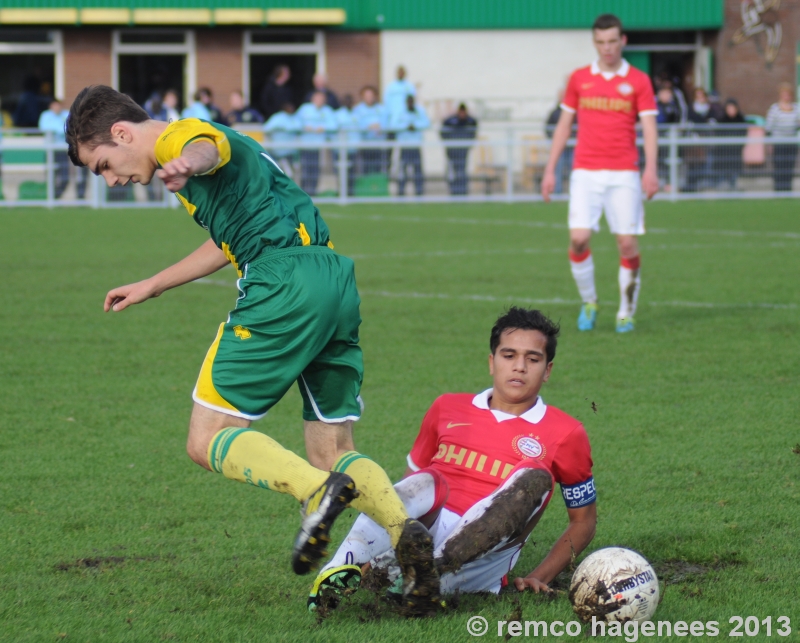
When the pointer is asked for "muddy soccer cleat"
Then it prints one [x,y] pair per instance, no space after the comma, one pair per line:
[319,512]
[503,520]
[587,317]
[332,585]
[420,584]
[625,325]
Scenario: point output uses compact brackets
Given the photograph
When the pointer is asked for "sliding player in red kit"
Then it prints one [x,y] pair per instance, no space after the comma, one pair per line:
[480,474]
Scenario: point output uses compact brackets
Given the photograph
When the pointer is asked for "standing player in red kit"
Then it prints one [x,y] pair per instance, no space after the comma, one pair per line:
[607,97]
[480,473]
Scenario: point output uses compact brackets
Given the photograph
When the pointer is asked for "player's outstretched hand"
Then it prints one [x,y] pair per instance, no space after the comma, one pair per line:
[175,173]
[120,298]
[548,185]
[533,584]
[650,183]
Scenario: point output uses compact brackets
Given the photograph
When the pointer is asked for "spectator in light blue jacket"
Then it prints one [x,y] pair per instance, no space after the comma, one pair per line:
[198,108]
[348,130]
[396,93]
[284,128]
[53,120]
[318,122]
[373,123]
[408,126]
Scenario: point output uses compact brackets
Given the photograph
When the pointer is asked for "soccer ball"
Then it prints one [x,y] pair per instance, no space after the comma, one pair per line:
[614,584]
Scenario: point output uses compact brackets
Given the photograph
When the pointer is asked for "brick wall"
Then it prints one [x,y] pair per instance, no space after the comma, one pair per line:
[742,71]
[219,62]
[87,59]
[353,60]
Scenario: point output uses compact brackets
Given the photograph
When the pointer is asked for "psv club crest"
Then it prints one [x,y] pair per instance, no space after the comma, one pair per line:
[625,89]
[528,446]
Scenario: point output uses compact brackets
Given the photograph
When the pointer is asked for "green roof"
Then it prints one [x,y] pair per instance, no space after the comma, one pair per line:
[381,14]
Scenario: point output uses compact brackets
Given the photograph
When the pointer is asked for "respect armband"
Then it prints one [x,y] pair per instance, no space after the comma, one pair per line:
[580,494]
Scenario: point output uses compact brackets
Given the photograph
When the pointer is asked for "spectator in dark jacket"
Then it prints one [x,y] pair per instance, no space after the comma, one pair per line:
[206,97]
[564,165]
[154,106]
[459,126]
[697,157]
[728,158]
[276,92]
[320,82]
[29,107]
[669,113]
[241,113]
[700,109]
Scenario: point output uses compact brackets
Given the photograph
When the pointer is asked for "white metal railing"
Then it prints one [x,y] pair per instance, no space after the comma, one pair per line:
[693,162]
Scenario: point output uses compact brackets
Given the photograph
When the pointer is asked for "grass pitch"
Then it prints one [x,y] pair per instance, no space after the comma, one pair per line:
[109,533]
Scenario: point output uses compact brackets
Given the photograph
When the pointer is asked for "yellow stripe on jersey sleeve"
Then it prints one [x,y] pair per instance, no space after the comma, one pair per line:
[191,208]
[179,134]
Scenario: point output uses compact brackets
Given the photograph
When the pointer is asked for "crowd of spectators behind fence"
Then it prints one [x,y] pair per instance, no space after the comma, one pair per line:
[322,116]
[325,117]
[707,116]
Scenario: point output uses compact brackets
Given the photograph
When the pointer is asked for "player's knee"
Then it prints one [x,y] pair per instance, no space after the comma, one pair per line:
[579,244]
[628,247]
[441,490]
[537,473]
[197,452]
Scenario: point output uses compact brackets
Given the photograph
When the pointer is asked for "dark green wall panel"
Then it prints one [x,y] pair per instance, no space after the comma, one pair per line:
[458,14]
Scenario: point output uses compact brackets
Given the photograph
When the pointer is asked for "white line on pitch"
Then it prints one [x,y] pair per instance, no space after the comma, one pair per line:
[557,300]
[529,300]
[456,220]
[559,250]
[557,226]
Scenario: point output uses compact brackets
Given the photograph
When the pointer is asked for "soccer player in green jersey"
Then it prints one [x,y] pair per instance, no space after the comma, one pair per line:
[296,320]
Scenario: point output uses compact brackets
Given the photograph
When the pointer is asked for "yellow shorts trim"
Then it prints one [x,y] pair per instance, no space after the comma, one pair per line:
[204,391]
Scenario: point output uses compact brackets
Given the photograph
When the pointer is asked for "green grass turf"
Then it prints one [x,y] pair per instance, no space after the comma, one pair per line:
[108,532]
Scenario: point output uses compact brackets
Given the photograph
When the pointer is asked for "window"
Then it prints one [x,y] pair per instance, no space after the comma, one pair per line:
[31,70]
[303,51]
[154,60]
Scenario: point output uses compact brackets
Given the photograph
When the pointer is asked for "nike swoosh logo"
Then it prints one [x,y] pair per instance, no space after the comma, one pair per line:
[450,425]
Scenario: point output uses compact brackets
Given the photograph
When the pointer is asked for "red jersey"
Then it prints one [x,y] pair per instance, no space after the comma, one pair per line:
[475,448]
[607,109]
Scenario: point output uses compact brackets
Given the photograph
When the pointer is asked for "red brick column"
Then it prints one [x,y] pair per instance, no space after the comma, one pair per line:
[219,62]
[353,60]
[87,59]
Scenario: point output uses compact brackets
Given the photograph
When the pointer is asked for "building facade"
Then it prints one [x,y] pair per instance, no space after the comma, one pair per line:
[507,59]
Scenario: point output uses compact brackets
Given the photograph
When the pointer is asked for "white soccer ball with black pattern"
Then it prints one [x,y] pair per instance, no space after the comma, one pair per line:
[614,584]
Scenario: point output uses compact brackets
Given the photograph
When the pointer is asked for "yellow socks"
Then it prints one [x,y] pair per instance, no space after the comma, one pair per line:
[377,497]
[252,457]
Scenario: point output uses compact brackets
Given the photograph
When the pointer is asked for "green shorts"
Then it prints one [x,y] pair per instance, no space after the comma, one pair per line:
[296,320]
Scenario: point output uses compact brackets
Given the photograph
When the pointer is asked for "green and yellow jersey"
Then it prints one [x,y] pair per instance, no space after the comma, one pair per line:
[246,202]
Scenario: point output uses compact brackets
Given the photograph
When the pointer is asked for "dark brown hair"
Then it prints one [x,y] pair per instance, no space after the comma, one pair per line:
[607,21]
[93,113]
[526,319]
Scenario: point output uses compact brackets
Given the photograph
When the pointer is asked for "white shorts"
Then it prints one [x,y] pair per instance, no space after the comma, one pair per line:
[618,193]
[485,574]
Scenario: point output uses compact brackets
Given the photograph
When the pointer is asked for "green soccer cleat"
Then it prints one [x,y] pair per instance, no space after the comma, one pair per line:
[587,317]
[394,592]
[319,512]
[625,325]
[333,584]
